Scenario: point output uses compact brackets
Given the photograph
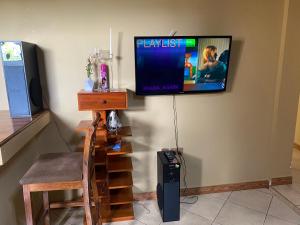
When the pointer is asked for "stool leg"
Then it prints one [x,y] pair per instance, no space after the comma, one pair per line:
[84,220]
[27,204]
[46,208]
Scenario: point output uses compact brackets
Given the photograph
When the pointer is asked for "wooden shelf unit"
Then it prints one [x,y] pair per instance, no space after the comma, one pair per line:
[113,168]
[115,213]
[126,148]
[121,196]
[100,158]
[101,173]
[120,180]
[119,164]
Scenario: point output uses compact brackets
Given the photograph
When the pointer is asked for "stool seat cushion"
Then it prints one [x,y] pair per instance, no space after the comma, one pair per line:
[55,167]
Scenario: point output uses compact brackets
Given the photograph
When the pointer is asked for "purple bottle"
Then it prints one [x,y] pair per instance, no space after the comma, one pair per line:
[104,76]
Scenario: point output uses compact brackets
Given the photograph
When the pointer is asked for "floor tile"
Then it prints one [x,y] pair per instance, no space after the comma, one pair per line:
[275,221]
[132,222]
[187,218]
[203,212]
[291,192]
[280,210]
[72,216]
[208,205]
[147,212]
[222,195]
[264,190]
[232,214]
[252,199]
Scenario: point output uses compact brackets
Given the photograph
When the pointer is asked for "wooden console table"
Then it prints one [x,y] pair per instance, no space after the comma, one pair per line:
[113,168]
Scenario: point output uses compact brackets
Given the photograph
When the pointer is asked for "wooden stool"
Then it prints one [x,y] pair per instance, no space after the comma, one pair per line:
[65,171]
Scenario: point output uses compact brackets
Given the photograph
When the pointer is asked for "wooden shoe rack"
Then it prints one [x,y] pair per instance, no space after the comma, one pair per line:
[113,168]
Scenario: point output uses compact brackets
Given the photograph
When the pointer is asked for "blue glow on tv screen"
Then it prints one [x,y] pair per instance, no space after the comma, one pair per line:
[181,64]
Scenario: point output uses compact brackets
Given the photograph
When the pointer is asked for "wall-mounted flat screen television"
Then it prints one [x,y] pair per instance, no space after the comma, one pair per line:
[181,64]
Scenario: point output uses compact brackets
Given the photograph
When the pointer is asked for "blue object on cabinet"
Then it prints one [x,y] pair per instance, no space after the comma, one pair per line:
[117,147]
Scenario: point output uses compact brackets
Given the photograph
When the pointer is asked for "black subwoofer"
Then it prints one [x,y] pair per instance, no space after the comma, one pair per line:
[20,67]
[168,186]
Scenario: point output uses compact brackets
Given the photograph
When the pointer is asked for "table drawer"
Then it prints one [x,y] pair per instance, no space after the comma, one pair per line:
[102,101]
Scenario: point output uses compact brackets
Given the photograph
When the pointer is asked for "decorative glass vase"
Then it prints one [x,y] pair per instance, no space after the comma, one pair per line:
[105,75]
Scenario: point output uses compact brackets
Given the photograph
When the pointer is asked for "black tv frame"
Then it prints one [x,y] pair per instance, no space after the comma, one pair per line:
[178,37]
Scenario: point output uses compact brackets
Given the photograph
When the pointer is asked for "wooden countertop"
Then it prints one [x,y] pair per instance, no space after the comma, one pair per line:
[10,127]
[15,133]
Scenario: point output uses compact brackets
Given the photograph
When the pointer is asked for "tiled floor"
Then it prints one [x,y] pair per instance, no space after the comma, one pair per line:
[250,207]
[292,192]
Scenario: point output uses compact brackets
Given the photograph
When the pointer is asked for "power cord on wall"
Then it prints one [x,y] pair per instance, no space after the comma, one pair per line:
[194,199]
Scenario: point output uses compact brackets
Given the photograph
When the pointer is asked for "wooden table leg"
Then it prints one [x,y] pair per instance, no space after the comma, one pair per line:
[46,208]
[27,204]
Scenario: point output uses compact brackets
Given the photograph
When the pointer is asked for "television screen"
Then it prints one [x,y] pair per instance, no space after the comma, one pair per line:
[181,64]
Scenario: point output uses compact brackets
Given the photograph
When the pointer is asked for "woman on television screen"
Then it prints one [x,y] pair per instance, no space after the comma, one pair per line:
[212,69]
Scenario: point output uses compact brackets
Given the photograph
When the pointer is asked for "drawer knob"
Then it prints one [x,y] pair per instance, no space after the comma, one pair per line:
[104,102]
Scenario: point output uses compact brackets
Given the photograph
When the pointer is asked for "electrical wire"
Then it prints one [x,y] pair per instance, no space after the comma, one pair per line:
[175,124]
[181,157]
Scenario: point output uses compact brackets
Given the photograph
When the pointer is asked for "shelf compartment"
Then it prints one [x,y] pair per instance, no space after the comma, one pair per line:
[120,180]
[117,213]
[126,148]
[102,190]
[119,164]
[100,158]
[99,145]
[121,196]
[85,124]
[100,173]
[105,213]
[122,132]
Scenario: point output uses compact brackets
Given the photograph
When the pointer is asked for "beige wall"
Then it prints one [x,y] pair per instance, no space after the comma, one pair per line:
[287,101]
[227,137]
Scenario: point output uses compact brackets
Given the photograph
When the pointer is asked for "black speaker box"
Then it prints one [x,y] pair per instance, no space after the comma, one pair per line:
[168,186]
[22,80]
